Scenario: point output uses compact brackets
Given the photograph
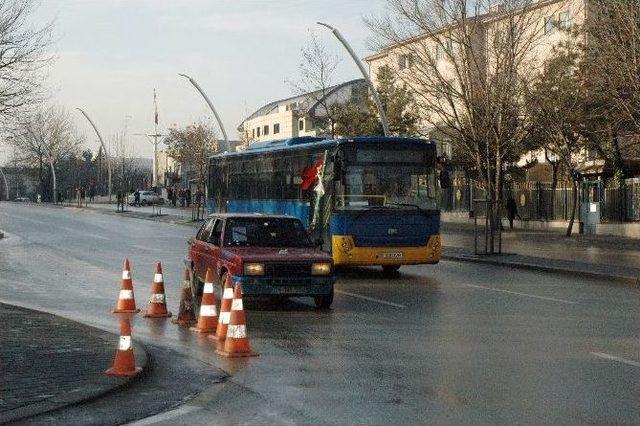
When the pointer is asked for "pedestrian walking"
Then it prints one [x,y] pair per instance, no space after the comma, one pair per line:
[512,211]
[136,198]
[187,195]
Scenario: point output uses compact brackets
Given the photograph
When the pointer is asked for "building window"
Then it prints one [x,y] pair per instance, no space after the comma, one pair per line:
[258,132]
[564,20]
[405,61]
[301,124]
[449,46]
[276,128]
[437,52]
[253,133]
[548,24]
[265,130]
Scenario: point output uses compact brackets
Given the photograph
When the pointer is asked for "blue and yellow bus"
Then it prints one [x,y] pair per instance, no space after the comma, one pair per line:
[367,200]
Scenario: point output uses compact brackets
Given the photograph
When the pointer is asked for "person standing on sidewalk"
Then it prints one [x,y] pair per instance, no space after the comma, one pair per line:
[512,211]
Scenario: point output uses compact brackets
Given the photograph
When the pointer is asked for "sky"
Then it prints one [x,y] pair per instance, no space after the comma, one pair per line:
[111,54]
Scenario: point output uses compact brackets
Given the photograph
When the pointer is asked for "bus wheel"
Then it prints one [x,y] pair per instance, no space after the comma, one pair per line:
[390,269]
[324,301]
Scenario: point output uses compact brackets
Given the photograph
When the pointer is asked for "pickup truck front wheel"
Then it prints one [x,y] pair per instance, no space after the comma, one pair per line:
[324,301]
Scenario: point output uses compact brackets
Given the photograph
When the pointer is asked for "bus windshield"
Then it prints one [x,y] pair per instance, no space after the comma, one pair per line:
[385,178]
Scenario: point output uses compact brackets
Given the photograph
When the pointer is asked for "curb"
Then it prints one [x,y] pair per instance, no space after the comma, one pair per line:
[622,280]
[69,399]
[134,215]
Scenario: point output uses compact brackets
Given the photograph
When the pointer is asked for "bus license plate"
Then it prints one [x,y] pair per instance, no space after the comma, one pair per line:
[394,255]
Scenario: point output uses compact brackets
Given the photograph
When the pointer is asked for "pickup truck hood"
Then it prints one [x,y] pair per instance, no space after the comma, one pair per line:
[268,254]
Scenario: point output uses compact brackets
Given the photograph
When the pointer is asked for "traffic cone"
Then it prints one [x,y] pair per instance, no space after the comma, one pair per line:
[208,318]
[126,301]
[158,301]
[237,344]
[124,362]
[186,316]
[225,309]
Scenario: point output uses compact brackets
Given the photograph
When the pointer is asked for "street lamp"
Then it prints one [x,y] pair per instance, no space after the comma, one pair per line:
[215,113]
[6,185]
[374,93]
[104,148]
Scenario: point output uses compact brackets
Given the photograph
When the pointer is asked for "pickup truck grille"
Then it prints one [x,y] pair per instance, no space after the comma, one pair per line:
[287,269]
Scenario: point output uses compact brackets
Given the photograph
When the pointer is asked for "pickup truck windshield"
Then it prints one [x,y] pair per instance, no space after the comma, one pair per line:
[265,232]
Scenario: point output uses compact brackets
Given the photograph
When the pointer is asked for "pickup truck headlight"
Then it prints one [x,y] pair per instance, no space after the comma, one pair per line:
[321,269]
[254,269]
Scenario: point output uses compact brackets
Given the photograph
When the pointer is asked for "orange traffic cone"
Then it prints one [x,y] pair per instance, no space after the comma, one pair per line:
[126,300]
[186,316]
[158,301]
[237,344]
[124,363]
[208,318]
[225,309]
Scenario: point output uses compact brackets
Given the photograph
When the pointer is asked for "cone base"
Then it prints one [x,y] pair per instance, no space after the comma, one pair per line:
[203,331]
[135,311]
[148,315]
[113,372]
[236,354]
[183,322]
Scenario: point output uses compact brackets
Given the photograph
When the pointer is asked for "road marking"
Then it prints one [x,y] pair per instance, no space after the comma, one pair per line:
[616,359]
[370,299]
[551,299]
[185,409]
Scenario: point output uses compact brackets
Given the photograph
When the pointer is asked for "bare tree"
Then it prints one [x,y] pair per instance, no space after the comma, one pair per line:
[23,56]
[316,78]
[468,63]
[191,147]
[613,74]
[42,139]
[558,114]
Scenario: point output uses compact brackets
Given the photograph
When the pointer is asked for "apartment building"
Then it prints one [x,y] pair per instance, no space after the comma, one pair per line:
[298,115]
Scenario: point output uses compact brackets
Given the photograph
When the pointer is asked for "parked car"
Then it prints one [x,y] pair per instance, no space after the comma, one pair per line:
[269,255]
[147,198]
[22,199]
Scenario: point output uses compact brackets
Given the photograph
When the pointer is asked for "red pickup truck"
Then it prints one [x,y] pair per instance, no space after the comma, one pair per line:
[269,255]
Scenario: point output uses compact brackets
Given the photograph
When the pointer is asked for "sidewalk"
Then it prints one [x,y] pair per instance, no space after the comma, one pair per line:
[605,257]
[50,362]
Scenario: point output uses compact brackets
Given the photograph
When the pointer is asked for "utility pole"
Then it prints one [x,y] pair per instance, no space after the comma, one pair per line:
[215,113]
[374,92]
[104,148]
[153,138]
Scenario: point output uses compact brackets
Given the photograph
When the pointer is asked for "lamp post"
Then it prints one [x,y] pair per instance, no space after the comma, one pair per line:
[374,92]
[208,101]
[104,148]
[4,178]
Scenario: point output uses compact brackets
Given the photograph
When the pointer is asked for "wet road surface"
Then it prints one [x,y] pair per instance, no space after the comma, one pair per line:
[451,343]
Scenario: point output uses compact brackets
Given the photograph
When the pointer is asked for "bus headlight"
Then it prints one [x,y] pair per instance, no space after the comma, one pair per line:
[254,269]
[321,269]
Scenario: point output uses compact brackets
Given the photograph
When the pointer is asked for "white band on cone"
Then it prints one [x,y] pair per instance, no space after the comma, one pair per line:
[125,343]
[126,294]
[157,278]
[225,317]
[156,298]
[208,311]
[228,293]
[126,275]
[237,331]
[236,305]
[208,288]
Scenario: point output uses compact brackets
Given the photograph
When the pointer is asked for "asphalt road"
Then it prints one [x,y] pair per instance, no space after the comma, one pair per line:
[452,343]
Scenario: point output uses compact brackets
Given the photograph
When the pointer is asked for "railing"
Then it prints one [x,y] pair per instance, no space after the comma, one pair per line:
[541,201]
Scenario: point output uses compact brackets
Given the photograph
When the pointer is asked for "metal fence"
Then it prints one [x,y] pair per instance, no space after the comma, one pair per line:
[540,201]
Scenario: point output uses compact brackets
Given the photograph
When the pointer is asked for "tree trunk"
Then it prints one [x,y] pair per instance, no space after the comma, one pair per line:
[576,196]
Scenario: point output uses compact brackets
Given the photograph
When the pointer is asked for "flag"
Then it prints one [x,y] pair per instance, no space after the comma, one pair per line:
[310,175]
